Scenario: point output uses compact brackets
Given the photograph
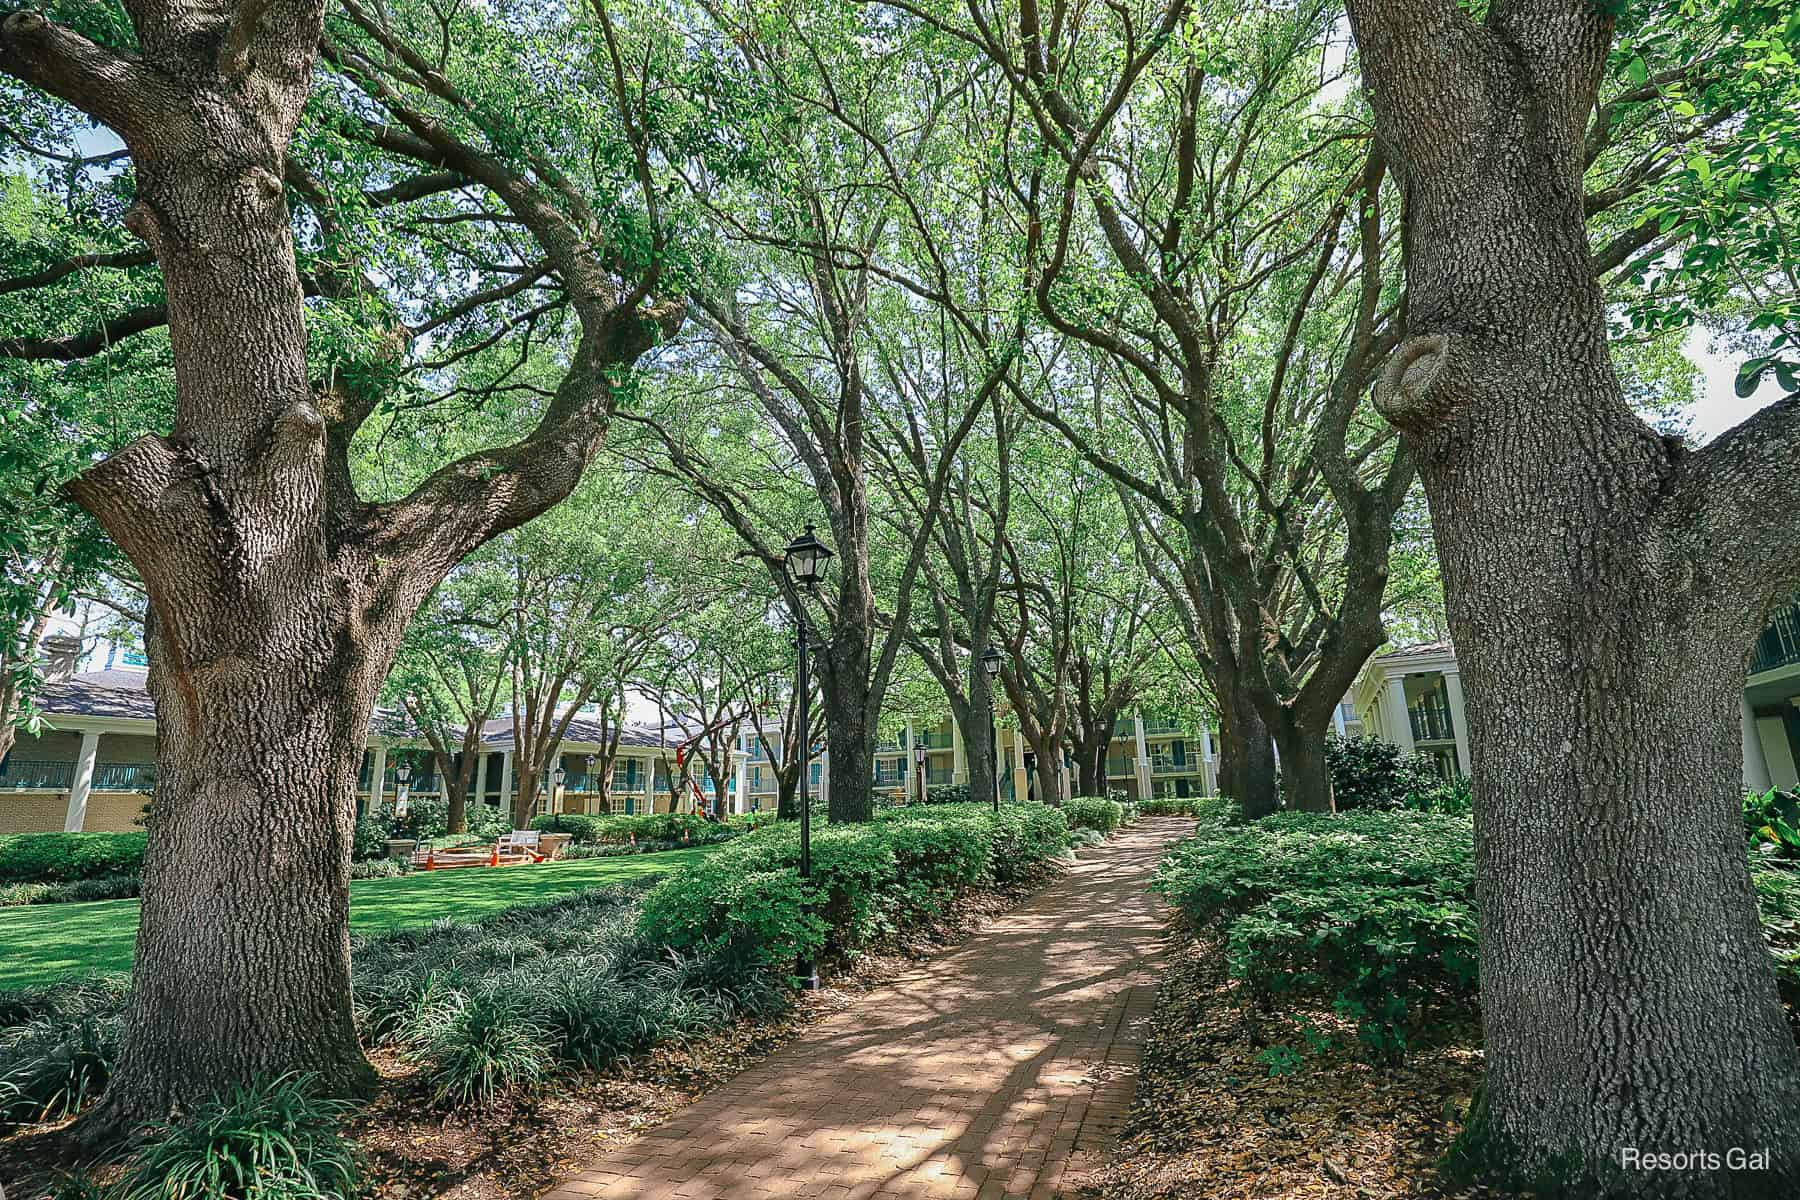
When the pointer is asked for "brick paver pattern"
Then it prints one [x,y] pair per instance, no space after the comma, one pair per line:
[1000,1068]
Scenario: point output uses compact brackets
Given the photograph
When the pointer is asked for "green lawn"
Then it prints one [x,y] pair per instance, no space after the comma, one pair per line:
[41,943]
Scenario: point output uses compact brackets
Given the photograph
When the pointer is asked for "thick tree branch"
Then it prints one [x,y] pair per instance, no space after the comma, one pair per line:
[113,87]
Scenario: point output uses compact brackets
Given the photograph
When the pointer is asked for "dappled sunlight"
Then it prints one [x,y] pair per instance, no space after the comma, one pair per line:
[991,1067]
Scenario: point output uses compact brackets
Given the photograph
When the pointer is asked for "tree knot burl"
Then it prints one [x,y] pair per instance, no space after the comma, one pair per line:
[1410,388]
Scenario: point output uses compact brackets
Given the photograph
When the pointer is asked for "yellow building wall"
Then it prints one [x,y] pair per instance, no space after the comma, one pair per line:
[33,812]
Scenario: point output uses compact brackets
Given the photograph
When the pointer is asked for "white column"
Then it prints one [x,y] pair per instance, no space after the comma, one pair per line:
[824,792]
[1393,714]
[84,781]
[741,801]
[908,768]
[481,777]
[959,756]
[506,784]
[1020,783]
[377,776]
[1756,764]
[1453,686]
[1209,769]
[1143,758]
[1337,717]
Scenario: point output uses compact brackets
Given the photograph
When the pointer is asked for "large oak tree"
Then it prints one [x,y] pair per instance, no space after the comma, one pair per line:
[277,592]
[1604,584]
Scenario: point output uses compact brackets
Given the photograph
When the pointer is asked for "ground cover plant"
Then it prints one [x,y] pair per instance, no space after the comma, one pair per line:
[1319,1023]
[498,1005]
[43,945]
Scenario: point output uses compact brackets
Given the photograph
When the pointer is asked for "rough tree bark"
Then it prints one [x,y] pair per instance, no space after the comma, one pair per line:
[1604,586]
[276,596]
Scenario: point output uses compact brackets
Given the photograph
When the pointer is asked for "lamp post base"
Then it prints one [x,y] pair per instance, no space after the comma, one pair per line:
[809,975]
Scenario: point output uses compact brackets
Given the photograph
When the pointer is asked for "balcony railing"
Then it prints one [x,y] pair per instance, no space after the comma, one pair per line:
[1173,766]
[124,777]
[1117,767]
[935,741]
[1431,725]
[1155,725]
[36,773]
[1779,644]
[939,776]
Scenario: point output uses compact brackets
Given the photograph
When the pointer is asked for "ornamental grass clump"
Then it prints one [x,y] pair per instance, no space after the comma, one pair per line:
[274,1141]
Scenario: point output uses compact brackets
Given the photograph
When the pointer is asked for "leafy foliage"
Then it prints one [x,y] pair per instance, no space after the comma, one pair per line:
[1089,812]
[61,857]
[1369,773]
[1772,821]
[746,907]
[273,1141]
[100,887]
[1370,910]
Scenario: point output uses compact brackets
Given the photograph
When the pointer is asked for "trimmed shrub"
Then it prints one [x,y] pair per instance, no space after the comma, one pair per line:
[1368,773]
[274,1142]
[1178,806]
[63,857]
[1372,911]
[744,907]
[948,793]
[1090,812]
[645,827]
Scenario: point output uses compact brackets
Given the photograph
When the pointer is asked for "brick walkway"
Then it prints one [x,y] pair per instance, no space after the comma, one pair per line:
[993,1070]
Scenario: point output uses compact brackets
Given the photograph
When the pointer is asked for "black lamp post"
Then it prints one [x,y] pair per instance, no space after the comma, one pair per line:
[990,660]
[919,767]
[805,563]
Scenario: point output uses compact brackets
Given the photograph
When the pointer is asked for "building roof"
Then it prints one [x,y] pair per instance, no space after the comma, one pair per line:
[115,695]
[121,695]
[589,731]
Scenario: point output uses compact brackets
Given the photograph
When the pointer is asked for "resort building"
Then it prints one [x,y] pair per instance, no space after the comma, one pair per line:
[1413,698]
[1149,756]
[92,763]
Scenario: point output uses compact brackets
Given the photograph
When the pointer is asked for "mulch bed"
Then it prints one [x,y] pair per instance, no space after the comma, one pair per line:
[515,1151]
[1209,1121]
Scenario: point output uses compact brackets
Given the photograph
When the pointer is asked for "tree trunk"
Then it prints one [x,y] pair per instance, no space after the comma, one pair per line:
[849,730]
[1246,757]
[1603,587]
[1050,769]
[1305,775]
[246,879]
[976,724]
[852,767]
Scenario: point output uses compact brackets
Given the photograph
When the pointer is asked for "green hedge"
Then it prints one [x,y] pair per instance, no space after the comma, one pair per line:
[1374,912]
[744,906]
[1092,812]
[1181,806]
[62,857]
[645,827]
